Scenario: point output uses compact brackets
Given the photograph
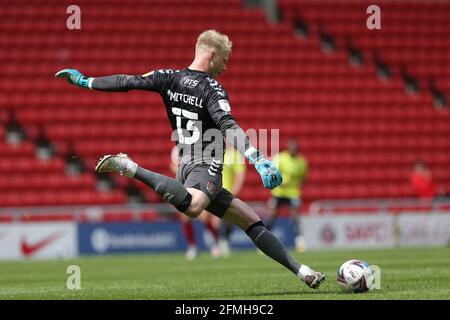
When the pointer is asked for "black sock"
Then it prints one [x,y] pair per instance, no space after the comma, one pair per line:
[271,246]
[169,189]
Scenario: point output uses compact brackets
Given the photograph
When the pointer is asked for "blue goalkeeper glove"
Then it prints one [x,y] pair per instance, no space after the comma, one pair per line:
[270,174]
[74,77]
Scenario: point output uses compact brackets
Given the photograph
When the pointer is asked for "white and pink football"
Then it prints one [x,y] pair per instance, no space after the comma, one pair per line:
[355,276]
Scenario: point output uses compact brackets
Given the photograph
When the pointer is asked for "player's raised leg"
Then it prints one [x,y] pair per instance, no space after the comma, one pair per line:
[190,201]
[244,217]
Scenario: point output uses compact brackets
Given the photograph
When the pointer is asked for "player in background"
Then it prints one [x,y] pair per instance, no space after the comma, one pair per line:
[294,169]
[187,225]
[233,177]
[422,182]
[200,115]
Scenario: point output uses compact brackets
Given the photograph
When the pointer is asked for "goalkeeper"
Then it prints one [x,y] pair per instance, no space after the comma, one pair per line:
[200,115]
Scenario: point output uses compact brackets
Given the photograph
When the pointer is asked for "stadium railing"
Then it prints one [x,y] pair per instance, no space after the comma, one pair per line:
[393,206]
[89,213]
[162,211]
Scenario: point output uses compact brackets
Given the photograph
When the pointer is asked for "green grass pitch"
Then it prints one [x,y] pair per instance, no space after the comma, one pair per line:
[407,273]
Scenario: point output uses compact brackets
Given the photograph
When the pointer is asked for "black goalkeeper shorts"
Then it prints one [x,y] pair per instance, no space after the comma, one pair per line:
[208,179]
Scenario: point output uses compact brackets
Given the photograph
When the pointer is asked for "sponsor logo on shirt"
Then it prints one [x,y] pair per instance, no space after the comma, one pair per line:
[211,187]
[188,82]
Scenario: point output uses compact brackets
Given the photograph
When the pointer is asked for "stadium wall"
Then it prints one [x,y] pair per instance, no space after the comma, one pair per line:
[38,240]
[21,240]
[377,230]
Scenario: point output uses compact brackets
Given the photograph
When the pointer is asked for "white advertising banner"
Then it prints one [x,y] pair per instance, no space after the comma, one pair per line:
[40,240]
[376,230]
[423,229]
[347,231]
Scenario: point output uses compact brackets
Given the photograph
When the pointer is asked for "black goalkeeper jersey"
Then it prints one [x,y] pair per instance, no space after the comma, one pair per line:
[197,107]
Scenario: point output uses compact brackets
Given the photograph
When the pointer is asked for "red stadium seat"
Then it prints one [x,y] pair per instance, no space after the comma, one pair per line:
[360,135]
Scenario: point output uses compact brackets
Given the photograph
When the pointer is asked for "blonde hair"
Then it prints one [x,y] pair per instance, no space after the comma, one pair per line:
[212,39]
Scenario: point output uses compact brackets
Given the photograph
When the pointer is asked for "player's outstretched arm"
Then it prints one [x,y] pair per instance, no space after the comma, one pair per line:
[75,77]
[118,82]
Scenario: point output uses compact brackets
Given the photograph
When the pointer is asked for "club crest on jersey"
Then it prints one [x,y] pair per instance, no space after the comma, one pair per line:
[211,187]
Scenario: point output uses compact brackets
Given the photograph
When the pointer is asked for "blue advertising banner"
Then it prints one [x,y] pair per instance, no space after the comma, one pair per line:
[100,238]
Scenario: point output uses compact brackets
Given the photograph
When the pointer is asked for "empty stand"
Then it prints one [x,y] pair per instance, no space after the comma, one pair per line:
[361,135]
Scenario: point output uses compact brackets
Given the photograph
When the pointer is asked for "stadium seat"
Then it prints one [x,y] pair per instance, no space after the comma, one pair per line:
[360,135]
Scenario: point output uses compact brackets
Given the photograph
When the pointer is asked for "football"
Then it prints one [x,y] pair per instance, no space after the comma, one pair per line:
[355,276]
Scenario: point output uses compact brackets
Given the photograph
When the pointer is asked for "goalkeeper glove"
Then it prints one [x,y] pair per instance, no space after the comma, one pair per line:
[74,77]
[270,174]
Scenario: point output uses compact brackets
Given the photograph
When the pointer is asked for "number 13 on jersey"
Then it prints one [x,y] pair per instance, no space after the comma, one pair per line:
[190,126]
